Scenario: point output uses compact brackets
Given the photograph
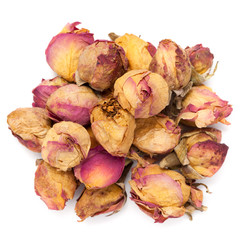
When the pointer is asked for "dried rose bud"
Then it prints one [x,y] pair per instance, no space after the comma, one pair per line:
[201,153]
[29,126]
[200,57]
[101,63]
[156,135]
[53,186]
[42,92]
[113,127]
[202,107]
[159,193]
[201,60]
[64,49]
[172,63]
[93,202]
[138,52]
[142,93]
[72,103]
[65,145]
[99,169]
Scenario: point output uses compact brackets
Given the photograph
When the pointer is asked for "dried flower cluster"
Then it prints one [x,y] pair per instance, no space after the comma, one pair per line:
[119,100]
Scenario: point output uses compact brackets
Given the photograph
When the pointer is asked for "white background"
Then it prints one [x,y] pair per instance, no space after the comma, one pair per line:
[26,29]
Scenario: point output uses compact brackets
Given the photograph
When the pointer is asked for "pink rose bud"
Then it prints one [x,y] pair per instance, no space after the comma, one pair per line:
[159,193]
[42,92]
[172,63]
[201,153]
[142,93]
[65,145]
[72,103]
[101,63]
[202,107]
[138,52]
[29,126]
[53,186]
[63,51]
[99,169]
[156,135]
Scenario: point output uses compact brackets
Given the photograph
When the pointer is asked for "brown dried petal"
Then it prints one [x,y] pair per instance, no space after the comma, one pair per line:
[99,201]
[53,186]
[30,126]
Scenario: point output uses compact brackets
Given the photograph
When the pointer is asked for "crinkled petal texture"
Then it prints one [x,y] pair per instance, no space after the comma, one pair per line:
[93,202]
[200,57]
[142,93]
[101,63]
[65,145]
[113,127]
[138,52]
[72,103]
[64,49]
[156,135]
[172,63]
[159,193]
[53,186]
[42,92]
[202,107]
[99,169]
[29,126]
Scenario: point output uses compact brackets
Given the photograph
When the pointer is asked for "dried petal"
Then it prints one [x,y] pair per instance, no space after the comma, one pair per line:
[113,127]
[53,186]
[45,89]
[172,63]
[30,126]
[202,107]
[142,93]
[64,49]
[99,169]
[94,141]
[65,145]
[72,103]
[156,135]
[101,63]
[196,197]
[93,202]
[138,52]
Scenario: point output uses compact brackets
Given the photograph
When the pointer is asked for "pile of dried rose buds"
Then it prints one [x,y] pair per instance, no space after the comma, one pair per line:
[119,101]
